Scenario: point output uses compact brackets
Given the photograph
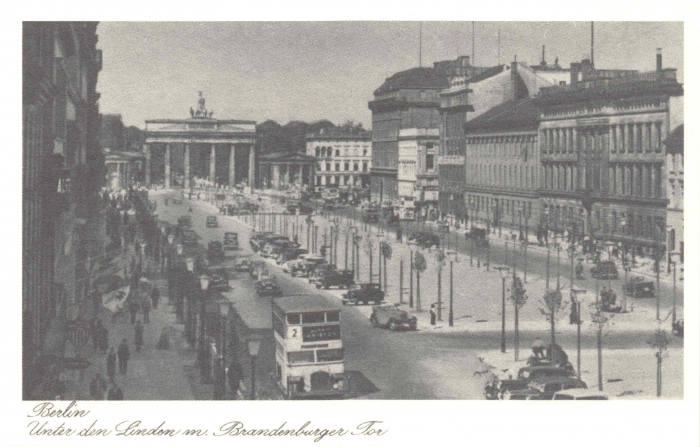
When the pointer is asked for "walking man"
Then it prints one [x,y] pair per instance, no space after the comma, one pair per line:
[432,315]
[146,307]
[97,388]
[111,364]
[133,307]
[155,296]
[103,338]
[138,336]
[123,355]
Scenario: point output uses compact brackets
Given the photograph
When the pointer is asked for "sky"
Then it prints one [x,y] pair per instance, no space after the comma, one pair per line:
[328,70]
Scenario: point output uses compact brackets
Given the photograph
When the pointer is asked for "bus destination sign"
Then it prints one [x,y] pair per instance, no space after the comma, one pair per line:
[320,333]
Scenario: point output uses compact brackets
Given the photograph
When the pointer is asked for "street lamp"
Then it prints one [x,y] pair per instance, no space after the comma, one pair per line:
[253,344]
[224,307]
[179,248]
[504,274]
[672,261]
[453,259]
[546,240]
[205,373]
[575,302]
[171,239]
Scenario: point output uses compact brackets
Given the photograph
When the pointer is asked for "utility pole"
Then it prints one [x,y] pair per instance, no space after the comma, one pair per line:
[410,294]
[401,281]
[451,315]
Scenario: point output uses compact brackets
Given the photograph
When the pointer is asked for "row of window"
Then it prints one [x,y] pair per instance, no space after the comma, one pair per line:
[506,175]
[520,146]
[505,206]
[624,179]
[346,167]
[338,180]
[328,152]
[620,138]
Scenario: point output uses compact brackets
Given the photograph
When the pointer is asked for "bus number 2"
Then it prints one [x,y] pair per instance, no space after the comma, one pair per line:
[294,332]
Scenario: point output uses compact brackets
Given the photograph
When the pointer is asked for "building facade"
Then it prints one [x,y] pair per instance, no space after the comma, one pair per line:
[417,171]
[675,191]
[406,100]
[601,141]
[503,167]
[287,171]
[343,158]
[62,176]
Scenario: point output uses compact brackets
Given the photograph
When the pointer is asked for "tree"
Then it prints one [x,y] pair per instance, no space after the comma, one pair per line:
[659,342]
[599,319]
[553,308]
[519,298]
[419,264]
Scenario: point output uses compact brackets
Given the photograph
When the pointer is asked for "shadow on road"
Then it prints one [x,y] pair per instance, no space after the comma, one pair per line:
[359,385]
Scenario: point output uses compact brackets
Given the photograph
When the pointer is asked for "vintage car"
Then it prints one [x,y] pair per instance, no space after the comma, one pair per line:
[268,286]
[341,278]
[303,269]
[257,237]
[392,318]
[189,237]
[274,248]
[522,394]
[258,270]
[242,265]
[443,226]
[230,241]
[580,394]
[547,386]
[424,239]
[639,288]
[363,293]
[678,328]
[370,215]
[184,222]
[496,388]
[289,254]
[219,278]
[212,222]
[604,270]
[479,236]
[269,239]
[215,252]
[320,268]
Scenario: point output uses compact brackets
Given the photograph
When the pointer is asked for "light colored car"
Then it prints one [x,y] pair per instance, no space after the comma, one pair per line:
[580,394]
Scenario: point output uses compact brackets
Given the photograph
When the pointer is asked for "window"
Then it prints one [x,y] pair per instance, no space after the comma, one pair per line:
[347,166]
[337,167]
[337,152]
[562,82]
[328,166]
[430,161]
[356,166]
[314,317]
[364,166]
[333,315]
[293,318]
[318,152]
[300,357]
[329,355]
[364,152]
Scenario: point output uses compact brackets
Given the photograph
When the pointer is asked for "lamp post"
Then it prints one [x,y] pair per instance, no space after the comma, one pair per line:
[671,257]
[410,292]
[224,307]
[204,366]
[546,240]
[504,274]
[253,343]
[557,239]
[182,306]
[575,302]
[450,317]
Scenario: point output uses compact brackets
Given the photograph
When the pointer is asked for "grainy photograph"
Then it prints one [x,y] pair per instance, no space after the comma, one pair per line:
[352,210]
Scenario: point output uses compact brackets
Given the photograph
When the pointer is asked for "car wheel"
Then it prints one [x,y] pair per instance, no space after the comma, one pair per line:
[391,325]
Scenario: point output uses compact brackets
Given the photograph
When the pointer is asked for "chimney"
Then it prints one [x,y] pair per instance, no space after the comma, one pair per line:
[659,65]
[575,69]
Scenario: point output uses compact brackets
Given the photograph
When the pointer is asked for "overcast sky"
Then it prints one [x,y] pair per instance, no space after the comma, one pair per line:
[314,70]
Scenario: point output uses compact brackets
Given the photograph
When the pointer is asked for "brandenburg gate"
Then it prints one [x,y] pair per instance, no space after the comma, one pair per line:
[202,132]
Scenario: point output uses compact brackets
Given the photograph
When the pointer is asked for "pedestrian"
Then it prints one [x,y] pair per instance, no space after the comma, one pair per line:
[235,376]
[133,307]
[111,364]
[538,348]
[146,308]
[104,338]
[123,356]
[115,393]
[138,335]
[98,386]
[164,342]
[432,315]
[95,333]
[155,296]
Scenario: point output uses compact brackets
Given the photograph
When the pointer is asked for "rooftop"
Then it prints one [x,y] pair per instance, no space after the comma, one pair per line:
[305,303]
[674,142]
[522,113]
[417,78]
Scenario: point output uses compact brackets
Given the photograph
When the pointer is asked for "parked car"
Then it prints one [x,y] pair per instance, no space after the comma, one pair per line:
[580,394]
[639,288]
[215,252]
[604,270]
[524,394]
[184,222]
[319,270]
[370,215]
[425,239]
[268,286]
[392,318]
[289,254]
[219,278]
[258,270]
[497,387]
[547,386]
[479,235]
[270,239]
[212,222]
[341,278]
[272,249]
[443,226]
[254,239]
[189,237]
[230,241]
[242,265]
[678,328]
[363,293]
[303,269]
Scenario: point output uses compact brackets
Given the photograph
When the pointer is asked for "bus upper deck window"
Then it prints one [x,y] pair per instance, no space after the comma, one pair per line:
[314,317]
[333,315]
[293,318]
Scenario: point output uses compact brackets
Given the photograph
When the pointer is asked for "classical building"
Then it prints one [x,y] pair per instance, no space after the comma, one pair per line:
[468,96]
[502,167]
[406,100]
[284,170]
[602,152]
[62,166]
[675,193]
[417,173]
[124,169]
[343,158]
[225,149]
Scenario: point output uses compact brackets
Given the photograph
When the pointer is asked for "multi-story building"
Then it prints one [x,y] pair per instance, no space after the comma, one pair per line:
[62,174]
[502,167]
[602,152]
[343,158]
[417,171]
[674,174]
[467,97]
[406,100]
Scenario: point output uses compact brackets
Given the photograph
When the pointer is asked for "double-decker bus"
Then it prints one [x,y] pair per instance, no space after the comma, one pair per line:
[309,348]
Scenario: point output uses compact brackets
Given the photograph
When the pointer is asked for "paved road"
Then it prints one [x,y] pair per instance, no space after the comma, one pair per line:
[388,365]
